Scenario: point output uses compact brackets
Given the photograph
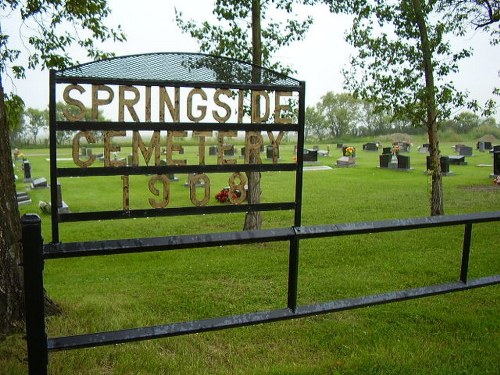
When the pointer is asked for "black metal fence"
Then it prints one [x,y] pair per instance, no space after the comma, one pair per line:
[35,253]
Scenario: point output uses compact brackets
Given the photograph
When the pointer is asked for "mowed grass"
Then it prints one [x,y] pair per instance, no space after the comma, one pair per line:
[458,333]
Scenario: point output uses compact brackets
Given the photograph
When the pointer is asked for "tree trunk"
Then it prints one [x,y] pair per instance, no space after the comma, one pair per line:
[253,220]
[11,280]
[437,204]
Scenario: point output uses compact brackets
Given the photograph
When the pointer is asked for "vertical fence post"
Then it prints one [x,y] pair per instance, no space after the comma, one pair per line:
[466,253]
[36,336]
[293,273]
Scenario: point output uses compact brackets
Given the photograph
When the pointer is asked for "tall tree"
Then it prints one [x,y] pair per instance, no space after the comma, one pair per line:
[402,65]
[37,121]
[49,28]
[246,33]
[342,113]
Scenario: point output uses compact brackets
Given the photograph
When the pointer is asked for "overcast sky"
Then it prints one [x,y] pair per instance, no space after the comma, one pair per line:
[150,27]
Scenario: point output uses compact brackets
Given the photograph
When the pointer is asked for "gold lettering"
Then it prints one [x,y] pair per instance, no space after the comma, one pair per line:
[257,118]
[166,191]
[275,142]
[201,108]
[171,147]
[125,191]
[221,147]
[253,143]
[129,103]
[68,99]
[173,108]
[109,148]
[221,104]
[138,144]
[76,149]
[96,102]
[203,179]
[278,107]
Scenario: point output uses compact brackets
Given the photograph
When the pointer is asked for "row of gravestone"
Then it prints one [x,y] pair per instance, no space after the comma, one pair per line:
[37,183]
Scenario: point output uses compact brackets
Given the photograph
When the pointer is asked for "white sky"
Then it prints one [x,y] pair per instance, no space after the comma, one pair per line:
[150,27]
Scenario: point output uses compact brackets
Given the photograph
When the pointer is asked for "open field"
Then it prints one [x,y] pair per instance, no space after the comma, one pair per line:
[457,333]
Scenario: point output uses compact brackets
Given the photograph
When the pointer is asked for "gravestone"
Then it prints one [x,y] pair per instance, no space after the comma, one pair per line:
[229,151]
[39,183]
[445,164]
[424,149]
[387,150]
[403,162]
[370,146]
[88,152]
[496,161]
[171,176]
[212,150]
[465,151]
[345,162]
[270,151]
[62,207]
[403,146]
[22,198]
[310,155]
[384,160]
[340,145]
[483,146]
[457,160]
[27,171]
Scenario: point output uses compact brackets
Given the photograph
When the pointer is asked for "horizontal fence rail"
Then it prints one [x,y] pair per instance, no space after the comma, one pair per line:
[72,249]
[35,252]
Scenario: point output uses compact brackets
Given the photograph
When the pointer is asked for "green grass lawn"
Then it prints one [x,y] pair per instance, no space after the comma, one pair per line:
[457,333]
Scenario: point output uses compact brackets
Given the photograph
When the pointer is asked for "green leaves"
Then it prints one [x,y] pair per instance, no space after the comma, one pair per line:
[231,36]
[50,27]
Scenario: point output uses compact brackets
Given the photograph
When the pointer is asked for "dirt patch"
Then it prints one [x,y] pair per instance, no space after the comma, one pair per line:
[483,188]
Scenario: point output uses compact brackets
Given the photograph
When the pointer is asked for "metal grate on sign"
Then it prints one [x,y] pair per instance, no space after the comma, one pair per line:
[176,67]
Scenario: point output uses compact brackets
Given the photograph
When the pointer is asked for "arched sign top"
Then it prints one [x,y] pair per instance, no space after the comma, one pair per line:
[176,67]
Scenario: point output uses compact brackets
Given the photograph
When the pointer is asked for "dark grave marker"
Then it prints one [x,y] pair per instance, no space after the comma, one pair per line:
[387,150]
[310,155]
[403,146]
[445,162]
[457,160]
[39,183]
[340,145]
[270,152]
[465,151]
[27,171]
[370,146]
[384,160]
[212,150]
[62,207]
[403,162]
[229,151]
[496,162]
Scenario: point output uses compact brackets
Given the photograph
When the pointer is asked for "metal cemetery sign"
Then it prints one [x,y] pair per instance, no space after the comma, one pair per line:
[157,99]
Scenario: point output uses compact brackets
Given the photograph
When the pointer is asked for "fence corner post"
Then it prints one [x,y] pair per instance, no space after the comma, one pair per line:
[36,336]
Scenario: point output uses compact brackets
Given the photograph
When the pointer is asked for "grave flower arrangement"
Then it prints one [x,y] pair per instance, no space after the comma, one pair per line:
[223,195]
[395,149]
[496,180]
[350,151]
